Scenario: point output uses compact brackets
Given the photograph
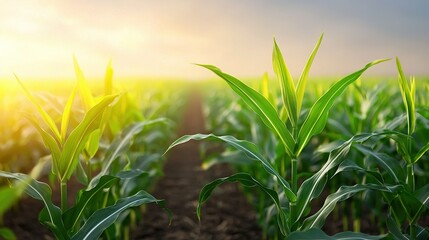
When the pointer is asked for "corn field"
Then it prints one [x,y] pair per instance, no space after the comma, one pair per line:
[328,159]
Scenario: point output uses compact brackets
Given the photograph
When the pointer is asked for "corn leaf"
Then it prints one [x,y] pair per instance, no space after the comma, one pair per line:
[51,214]
[344,192]
[103,218]
[8,196]
[75,143]
[260,106]
[408,96]
[250,149]
[85,93]
[108,79]
[74,215]
[93,143]
[313,186]
[248,181]
[120,145]
[66,115]
[286,85]
[7,234]
[45,116]
[50,143]
[420,153]
[318,234]
[300,88]
[394,230]
[318,115]
[265,89]
[388,163]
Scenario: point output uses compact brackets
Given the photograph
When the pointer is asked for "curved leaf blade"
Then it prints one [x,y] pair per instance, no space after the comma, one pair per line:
[73,215]
[311,187]
[260,106]
[344,192]
[103,218]
[318,115]
[120,145]
[300,88]
[75,143]
[250,149]
[318,234]
[41,191]
[45,116]
[248,181]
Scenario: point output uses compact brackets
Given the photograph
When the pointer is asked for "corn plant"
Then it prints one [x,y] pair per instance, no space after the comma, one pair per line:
[93,213]
[293,134]
[408,205]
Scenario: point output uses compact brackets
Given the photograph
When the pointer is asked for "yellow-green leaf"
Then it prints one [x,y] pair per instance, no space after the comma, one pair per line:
[45,116]
[286,85]
[85,93]
[300,89]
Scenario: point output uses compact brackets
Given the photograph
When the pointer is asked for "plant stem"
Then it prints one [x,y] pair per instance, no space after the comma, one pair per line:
[410,177]
[294,183]
[413,233]
[88,170]
[63,196]
[294,173]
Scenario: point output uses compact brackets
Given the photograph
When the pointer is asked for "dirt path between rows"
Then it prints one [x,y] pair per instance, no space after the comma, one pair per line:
[227,215]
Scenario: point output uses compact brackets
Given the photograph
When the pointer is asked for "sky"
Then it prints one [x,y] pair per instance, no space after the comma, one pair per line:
[163,38]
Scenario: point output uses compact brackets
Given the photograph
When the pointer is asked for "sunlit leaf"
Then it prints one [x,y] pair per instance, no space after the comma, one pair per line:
[286,85]
[260,106]
[318,115]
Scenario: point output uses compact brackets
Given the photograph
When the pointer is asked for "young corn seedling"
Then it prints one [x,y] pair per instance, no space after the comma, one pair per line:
[293,137]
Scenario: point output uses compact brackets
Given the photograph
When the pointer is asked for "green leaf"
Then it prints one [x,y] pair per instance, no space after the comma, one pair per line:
[120,145]
[84,91]
[300,89]
[344,192]
[8,196]
[286,85]
[45,116]
[260,106]
[66,115]
[421,152]
[7,234]
[318,115]
[93,143]
[41,191]
[408,96]
[75,143]
[391,165]
[318,234]
[247,181]
[250,149]
[103,218]
[312,187]
[395,230]
[50,143]
[74,215]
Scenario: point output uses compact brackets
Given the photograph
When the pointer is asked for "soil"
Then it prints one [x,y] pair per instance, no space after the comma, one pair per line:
[226,215]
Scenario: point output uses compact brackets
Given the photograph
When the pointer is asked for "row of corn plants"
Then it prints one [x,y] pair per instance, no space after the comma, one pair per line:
[322,153]
[110,144]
